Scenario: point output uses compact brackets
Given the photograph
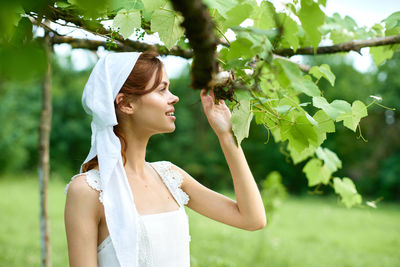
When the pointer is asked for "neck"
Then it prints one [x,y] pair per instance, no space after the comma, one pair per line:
[135,152]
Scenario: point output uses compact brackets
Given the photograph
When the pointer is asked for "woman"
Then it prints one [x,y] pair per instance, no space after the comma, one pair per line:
[123,211]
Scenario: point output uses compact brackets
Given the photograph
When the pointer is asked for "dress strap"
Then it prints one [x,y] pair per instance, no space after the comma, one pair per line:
[92,179]
[173,180]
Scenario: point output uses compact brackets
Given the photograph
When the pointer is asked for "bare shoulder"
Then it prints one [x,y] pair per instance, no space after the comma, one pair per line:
[82,217]
[82,196]
[79,187]
[176,168]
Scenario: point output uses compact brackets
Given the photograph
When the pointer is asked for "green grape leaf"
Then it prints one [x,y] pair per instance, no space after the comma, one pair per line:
[218,19]
[323,71]
[167,24]
[23,32]
[223,6]
[241,119]
[300,134]
[263,16]
[125,4]
[63,4]
[237,15]
[334,109]
[347,191]
[352,119]
[301,156]
[308,87]
[341,36]
[127,21]
[343,29]
[152,5]
[311,18]
[311,119]
[294,78]
[377,30]
[393,31]
[290,33]
[330,158]
[91,8]
[266,120]
[240,48]
[325,123]
[381,53]
[392,21]
[259,39]
[316,173]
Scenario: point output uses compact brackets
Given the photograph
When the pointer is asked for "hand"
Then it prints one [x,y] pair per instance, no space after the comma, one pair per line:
[218,115]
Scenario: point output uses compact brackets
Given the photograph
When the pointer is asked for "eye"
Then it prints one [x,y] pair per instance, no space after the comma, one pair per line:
[162,89]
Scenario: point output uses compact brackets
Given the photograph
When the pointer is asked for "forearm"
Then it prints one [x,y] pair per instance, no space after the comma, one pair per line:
[248,196]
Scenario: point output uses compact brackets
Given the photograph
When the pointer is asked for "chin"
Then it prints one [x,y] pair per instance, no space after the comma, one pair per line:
[172,130]
[168,130]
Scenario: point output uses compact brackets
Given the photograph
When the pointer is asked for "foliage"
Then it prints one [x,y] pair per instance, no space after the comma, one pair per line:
[287,102]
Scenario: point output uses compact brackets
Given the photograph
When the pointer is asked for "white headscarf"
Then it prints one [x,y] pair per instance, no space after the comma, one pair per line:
[105,82]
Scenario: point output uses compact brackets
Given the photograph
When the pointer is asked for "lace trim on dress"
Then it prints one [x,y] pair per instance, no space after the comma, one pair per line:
[92,179]
[145,250]
[173,179]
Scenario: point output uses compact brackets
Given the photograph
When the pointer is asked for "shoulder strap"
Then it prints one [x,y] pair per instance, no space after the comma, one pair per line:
[92,179]
[172,179]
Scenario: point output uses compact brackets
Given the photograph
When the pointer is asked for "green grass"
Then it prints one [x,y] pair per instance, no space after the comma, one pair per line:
[305,231]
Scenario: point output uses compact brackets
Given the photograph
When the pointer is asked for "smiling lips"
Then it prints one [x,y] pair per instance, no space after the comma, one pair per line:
[171,115]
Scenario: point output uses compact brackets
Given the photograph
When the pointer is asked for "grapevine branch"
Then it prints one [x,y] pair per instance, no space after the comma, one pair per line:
[95,27]
[123,44]
[200,35]
[343,47]
[122,47]
[130,45]
[200,32]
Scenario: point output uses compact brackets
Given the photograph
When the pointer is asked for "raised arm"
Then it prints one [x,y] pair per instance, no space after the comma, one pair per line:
[81,223]
[248,211]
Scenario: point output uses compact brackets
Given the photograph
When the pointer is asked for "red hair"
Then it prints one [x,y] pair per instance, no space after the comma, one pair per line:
[134,86]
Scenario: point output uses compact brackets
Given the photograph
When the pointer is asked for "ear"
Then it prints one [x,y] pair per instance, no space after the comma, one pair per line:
[124,106]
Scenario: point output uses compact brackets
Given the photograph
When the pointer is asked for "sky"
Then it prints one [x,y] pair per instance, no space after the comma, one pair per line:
[364,12]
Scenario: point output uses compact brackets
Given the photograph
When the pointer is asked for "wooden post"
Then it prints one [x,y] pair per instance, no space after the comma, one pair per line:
[44,166]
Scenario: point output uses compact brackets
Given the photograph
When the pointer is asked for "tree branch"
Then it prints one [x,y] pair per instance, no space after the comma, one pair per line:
[122,47]
[343,47]
[304,67]
[96,28]
[200,32]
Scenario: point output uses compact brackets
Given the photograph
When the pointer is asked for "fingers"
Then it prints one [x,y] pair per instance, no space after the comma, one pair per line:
[203,95]
[203,92]
[210,98]
[206,100]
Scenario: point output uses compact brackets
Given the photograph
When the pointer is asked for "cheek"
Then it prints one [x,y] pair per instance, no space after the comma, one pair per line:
[150,111]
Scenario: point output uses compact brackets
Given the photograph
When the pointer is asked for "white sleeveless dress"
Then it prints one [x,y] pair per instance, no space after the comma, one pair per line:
[164,237]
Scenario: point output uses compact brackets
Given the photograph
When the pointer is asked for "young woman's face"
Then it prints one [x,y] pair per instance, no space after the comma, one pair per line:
[152,110]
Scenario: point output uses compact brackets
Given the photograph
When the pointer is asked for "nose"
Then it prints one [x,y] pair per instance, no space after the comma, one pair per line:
[174,99]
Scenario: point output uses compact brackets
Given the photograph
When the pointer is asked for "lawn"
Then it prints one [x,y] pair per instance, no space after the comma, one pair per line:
[305,231]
